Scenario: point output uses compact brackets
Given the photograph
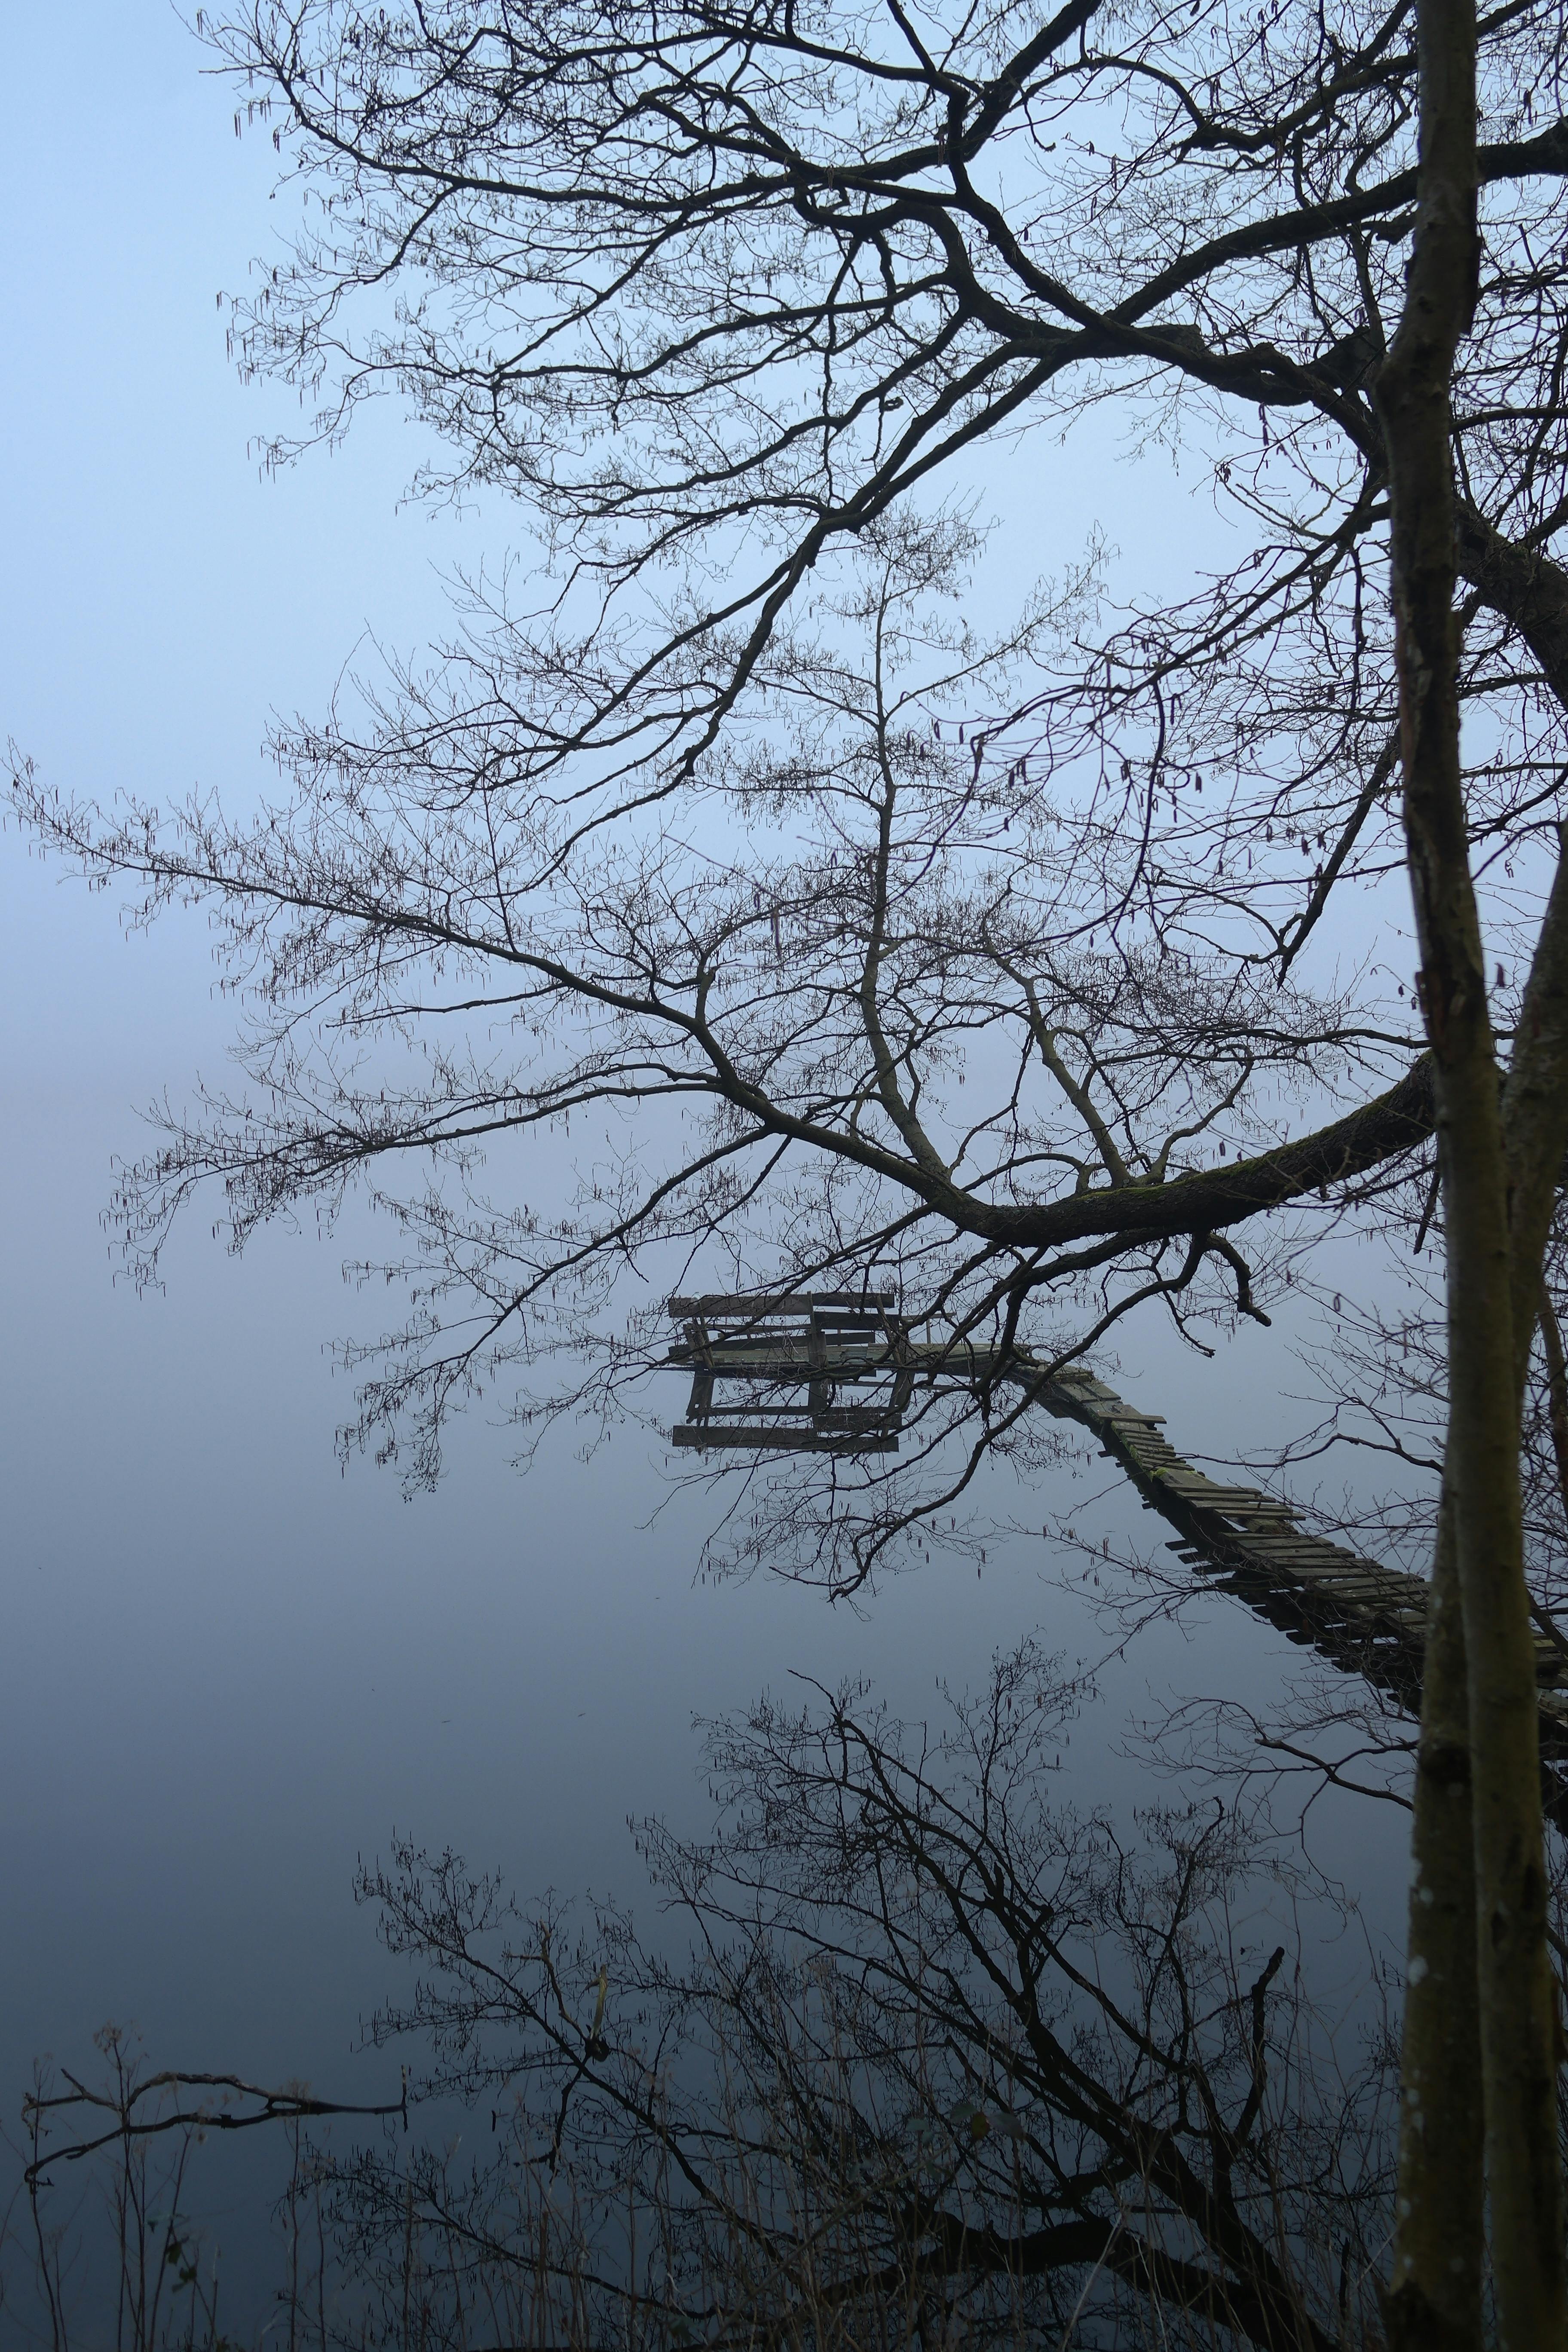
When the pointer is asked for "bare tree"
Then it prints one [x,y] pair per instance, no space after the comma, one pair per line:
[713,295]
[854,1018]
[718,294]
[1478,1900]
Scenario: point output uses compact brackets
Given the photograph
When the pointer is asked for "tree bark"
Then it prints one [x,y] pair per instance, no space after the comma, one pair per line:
[1434,2291]
[1513,1977]
[1556,1389]
[1432,2302]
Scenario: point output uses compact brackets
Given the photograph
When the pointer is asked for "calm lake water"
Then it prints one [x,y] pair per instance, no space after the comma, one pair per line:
[227,1670]
[230,1670]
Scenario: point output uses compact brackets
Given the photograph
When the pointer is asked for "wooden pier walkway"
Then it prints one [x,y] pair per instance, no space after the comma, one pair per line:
[1367,1619]
[786,1360]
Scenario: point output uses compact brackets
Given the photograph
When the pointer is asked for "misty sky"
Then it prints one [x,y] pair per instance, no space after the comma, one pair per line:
[226,1667]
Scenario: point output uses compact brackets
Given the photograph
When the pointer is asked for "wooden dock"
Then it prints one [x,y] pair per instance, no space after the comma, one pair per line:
[782,1363]
[1366,1619]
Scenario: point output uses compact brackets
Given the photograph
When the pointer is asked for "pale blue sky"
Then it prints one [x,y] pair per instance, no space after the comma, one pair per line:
[225,1669]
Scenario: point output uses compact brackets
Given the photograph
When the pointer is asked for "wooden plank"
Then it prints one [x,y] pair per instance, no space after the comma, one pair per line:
[721,1436]
[737,1304]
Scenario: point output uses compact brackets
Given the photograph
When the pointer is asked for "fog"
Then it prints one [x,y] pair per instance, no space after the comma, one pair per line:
[231,1667]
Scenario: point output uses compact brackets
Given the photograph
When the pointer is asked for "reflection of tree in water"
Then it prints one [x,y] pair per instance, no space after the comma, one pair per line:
[717,293]
[929,2057]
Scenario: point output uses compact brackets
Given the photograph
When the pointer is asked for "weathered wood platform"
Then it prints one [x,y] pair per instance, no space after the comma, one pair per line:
[790,1354]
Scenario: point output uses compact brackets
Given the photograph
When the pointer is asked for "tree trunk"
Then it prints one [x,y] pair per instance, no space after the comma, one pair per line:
[1433,2303]
[1514,1983]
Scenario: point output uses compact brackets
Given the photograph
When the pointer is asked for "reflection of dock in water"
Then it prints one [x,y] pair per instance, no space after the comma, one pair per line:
[768,1373]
